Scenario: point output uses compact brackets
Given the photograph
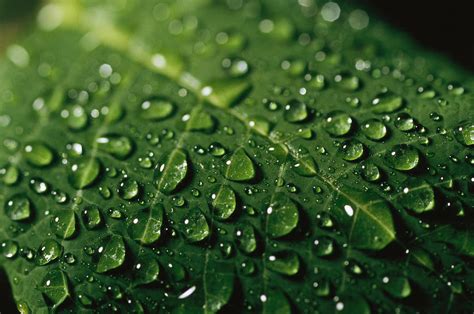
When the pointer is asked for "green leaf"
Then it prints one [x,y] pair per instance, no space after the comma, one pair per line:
[262,156]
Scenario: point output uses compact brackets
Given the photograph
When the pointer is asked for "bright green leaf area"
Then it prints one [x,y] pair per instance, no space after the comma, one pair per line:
[265,156]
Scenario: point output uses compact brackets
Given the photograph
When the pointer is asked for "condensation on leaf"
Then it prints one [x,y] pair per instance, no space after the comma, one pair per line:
[112,255]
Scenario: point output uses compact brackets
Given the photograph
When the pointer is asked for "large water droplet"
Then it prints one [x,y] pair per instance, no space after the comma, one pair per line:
[347,82]
[54,287]
[240,167]
[295,111]
[145,225]
[77,118]
[48,252]
[387,103]
[402,157]
[374,129]
[171,173]
[9,248]
[91,217]
[225,93]
[112,255]
[224,202]
[38,154]
[83,173]
[116,145]
[194,225]
[370,171]
[404,122]
[338,123]
[157,109]
[282,216]
[245,238]
[146,270]
[351,150]
[18,207]
[464,133]
[283,262]
[63,224]
[324,246]
[397,287]
[9,175]
[201,121]
[417,196]
[129,189]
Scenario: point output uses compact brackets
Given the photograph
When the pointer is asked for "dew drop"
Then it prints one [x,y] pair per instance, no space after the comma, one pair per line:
[338,123]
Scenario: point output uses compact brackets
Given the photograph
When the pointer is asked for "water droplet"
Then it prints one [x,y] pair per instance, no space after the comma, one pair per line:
[84,173]
[91,217]
[426,92]
[240,167]
[116,145]
[48,252]
[295,111]
[370,171]
[194,225]
[9,175]
[201,121]
[294,67]
[324,246]
[397,287]
[77,118]
[387,103]
[351,150]
[225,93]
[338,123]
[145,225]
[347,82]
[54,287]
[63,224]
[417,196]
[157,109]
[224,202]
[38,154]
[464,134]
[18,207]
[236,67]
[129,189]
[283,262]
[374,129]
[260,125]
[315,81]
[216,149]
[304,164]
[325,221]
[245,238]
[171,173]
[282,216]
[404,122]
[39,186]
[9,248]
[403,157]
[455,89]
[112,255]
[146,270]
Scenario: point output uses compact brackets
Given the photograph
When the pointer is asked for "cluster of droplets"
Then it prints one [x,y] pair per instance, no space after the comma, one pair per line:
[166,192]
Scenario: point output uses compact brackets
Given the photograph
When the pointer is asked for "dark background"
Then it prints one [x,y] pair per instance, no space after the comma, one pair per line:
[446,26]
